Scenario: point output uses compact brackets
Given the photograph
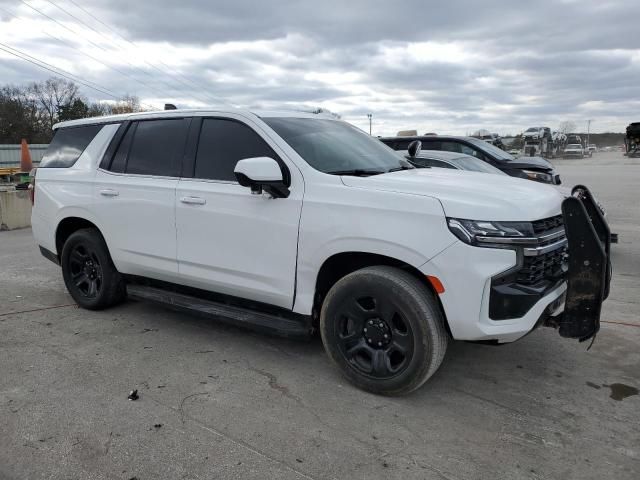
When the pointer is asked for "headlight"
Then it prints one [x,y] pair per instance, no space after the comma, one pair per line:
[492,234]
[538,176]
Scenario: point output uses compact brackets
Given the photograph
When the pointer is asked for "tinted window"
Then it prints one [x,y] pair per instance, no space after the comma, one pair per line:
[157,147]
[489,149]
[222,143]
[461,148]
[120,157]
[401,144]
[431,144]
[451,147]
[67,145]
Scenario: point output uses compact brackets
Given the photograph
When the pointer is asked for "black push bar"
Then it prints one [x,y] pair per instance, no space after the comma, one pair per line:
[589,266]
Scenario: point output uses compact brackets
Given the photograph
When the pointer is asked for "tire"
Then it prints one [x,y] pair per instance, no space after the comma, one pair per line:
[89,273]
[363,307]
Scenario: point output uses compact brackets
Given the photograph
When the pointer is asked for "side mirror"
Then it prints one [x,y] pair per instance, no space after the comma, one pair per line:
[261,173]
[414,148]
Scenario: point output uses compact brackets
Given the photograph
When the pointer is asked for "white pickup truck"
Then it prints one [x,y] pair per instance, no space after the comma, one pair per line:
[291,223]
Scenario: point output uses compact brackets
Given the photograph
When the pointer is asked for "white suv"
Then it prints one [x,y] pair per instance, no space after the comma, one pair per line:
[293,222]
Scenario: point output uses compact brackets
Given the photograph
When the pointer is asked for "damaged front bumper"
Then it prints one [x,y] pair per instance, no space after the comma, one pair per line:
[589,267]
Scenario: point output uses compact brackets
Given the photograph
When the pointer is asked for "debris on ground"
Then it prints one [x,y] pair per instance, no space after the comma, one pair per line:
[133,395]
[157,425]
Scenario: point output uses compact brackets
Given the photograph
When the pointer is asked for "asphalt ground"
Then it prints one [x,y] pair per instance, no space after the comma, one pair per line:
[220,402]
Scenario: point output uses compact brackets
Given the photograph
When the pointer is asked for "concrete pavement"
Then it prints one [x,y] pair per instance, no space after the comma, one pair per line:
[219,402]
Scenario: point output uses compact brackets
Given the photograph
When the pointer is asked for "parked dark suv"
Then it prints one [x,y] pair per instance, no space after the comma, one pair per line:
[532,168]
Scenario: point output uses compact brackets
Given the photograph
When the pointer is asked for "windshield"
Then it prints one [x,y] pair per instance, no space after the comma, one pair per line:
[532,129]
[336,147]
[490,149]
[474,165]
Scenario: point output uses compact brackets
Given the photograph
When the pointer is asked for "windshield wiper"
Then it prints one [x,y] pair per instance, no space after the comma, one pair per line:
[403,167]
[357,172]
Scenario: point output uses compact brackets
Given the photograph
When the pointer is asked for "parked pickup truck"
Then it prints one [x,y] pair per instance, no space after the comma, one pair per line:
[292,222]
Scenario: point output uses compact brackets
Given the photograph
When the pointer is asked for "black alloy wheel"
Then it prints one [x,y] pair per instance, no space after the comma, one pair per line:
[373,337]
[86,272]
[383,327]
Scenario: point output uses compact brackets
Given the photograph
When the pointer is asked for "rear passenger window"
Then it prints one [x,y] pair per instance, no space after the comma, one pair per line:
[222,143]
[67,146]
[156,149]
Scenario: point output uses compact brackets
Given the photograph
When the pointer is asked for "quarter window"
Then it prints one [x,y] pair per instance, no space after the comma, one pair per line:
[222,144]
[67,146]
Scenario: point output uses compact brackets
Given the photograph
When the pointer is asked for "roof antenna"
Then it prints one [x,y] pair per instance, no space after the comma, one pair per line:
[170,106]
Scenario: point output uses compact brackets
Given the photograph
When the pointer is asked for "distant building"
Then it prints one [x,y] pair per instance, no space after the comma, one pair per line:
[10,154]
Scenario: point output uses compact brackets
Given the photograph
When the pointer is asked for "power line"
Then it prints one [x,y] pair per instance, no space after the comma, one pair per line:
[152,89]
[79,51]
[112,43]
[51,68]
[185,80]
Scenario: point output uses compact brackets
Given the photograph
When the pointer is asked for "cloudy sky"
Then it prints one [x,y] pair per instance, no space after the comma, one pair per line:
[448,67]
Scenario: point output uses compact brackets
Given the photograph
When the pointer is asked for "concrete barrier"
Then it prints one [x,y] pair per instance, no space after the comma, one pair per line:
[15,209]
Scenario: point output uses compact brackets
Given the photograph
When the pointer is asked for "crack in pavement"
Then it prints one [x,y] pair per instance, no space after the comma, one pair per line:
[38,309]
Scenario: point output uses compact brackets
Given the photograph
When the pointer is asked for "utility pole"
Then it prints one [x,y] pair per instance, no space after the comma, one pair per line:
[369,116]
[588,131]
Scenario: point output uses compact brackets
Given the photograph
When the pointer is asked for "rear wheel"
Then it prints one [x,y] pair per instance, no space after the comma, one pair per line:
[384,329]
[88,272]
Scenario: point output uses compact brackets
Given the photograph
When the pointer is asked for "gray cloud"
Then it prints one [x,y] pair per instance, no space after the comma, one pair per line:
[451,68]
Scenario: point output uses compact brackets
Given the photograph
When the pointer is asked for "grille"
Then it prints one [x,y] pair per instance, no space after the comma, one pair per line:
[550,265]
[540,227]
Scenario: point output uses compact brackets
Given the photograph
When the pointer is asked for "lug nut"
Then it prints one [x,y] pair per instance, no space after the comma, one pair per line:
[365,330]
[386,336]
[379,344]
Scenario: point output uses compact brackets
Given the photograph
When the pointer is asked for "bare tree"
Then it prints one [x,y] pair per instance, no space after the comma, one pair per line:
[128,104]
[52,95]
[566,127]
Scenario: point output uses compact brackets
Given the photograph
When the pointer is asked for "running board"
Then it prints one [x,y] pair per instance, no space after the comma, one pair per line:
[299,327]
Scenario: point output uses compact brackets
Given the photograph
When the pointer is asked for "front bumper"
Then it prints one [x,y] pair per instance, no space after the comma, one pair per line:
[479,307]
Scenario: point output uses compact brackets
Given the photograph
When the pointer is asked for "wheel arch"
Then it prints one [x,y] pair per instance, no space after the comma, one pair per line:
[66,227]
[341,264]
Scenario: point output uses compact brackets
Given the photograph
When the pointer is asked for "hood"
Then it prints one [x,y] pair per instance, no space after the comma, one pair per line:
[470,195]
[522,163]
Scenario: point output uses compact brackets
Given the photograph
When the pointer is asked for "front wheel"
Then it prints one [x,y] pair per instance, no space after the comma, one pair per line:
[384,329]
[88,271]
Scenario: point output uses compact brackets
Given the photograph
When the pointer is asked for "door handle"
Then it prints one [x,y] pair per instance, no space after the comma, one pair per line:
[108,192]
[193,200]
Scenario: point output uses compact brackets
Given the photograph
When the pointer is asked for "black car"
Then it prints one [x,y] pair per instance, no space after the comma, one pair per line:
[532,168]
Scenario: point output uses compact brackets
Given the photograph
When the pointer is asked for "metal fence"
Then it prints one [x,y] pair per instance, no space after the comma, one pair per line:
[10,154]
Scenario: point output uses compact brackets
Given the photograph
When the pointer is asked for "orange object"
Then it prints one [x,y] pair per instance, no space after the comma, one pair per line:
[25,157]
[436,284]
